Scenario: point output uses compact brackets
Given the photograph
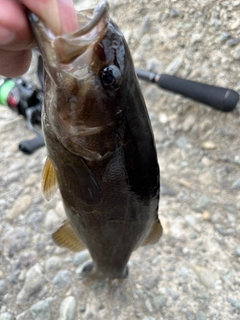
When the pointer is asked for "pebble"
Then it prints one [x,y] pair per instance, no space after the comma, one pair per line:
[146,25]
[159,302]
[28,258]
[52,221]
[236,53]
[33,284]
[206,277]
[167,191]
[208,145]
[174,66]
[2,287]
[237,252]
[67,309]
[154,65]
[236,185]
[202,203]
[32,179]
[41,310]
[174,13]
[181,142]
[6,316]
[35,220]
[53,263]
[188,122]
[233,42]
[21,205]
[196,38]
[16,240]
[59,209]
[224,37]
[81,257]
[200,315]
[62,279]
[235,303]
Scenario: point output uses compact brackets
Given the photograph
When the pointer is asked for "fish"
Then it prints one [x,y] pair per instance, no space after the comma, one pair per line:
[101,152]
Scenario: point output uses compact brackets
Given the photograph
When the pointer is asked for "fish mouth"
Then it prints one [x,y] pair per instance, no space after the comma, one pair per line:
[92,25]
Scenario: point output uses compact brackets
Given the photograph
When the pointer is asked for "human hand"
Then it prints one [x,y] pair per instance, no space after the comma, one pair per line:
[16,39]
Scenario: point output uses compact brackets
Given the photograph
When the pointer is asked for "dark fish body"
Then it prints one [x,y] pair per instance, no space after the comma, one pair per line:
[100,143]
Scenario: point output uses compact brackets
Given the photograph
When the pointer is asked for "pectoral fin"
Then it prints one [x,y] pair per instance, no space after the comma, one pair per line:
[49,180]
[154,235]
[66,237]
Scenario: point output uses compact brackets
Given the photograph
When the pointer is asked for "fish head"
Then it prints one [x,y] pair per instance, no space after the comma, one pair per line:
[88,74]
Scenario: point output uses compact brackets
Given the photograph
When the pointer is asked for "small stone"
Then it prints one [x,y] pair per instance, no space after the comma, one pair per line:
[235,24]
[2,287]
[236,53]
[235,303]
[33,179]
[206,277]
[200,315]
[33,284]
[16,240]
[6,316]
[154,65]
[196,38]
[163,118]
[42,310]
[20,206]
[206,215]
[67,309]
[53,263]
[174,66]
[236,185]
[233,42]
[159,302]
[188,122]
[202,203]
[224,37]
[52,221]
[82,309]
[28,258]
[208,145]
[146,25]
[36,219]
[174,13]
[81,257]
[62,279]
[167,191]
[59,209]
[237,252]
[181,142]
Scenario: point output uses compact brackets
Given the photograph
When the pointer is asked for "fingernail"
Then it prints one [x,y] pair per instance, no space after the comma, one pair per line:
[6,36]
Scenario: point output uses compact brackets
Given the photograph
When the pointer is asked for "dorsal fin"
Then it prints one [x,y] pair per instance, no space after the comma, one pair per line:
[49,180]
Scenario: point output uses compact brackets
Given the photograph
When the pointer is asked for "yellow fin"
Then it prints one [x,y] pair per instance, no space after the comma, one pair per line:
[66,237]
[154,235]
[49,180]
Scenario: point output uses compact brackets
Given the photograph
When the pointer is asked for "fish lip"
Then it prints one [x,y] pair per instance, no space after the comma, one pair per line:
[100,11]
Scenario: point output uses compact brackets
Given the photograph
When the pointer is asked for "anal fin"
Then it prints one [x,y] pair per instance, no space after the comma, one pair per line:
[154,235]
[49,180]
[66,237]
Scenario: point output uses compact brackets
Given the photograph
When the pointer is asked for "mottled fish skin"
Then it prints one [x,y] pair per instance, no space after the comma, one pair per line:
[99,140]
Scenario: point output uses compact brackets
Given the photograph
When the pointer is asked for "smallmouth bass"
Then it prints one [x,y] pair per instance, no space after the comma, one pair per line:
[101,151]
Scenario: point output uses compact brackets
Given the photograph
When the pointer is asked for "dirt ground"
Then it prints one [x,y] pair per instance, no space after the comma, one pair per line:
[193,273]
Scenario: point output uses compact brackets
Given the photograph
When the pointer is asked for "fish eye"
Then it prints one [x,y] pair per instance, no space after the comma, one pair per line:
[110,77]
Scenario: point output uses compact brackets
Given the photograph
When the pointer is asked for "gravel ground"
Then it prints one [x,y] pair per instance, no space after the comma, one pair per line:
[193,273]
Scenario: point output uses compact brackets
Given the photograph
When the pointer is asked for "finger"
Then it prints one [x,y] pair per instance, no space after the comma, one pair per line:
[14,64]
[58,15]
[15,33]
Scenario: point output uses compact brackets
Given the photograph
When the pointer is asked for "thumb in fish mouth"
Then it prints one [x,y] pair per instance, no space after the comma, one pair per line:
[58,15]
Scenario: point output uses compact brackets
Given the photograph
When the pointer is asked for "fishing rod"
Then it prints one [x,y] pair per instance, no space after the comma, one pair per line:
[26,99]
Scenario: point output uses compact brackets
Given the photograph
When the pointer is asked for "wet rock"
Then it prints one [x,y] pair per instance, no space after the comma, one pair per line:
[33,284]
[62,279]
[41,310]
[67,309]
[21,205]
